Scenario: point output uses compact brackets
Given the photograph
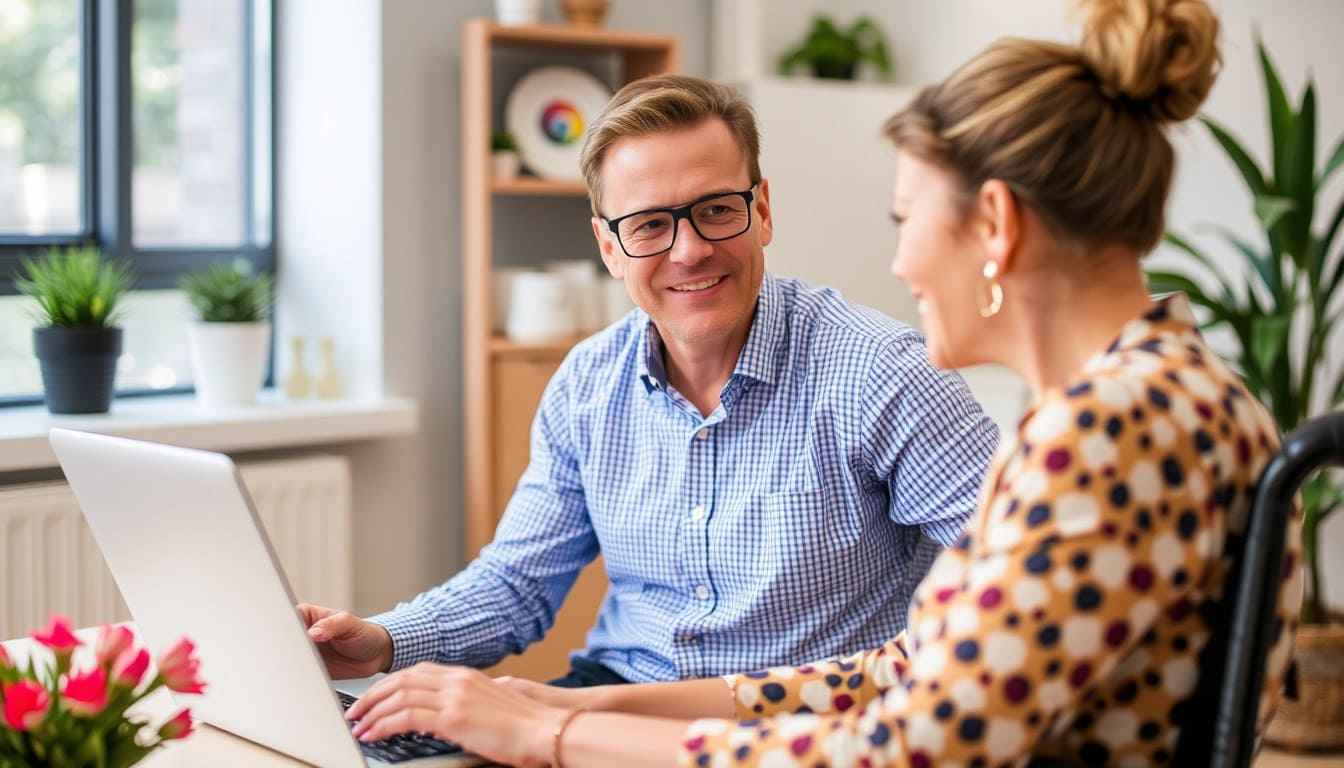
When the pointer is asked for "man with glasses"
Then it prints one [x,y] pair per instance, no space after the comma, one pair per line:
[768,470]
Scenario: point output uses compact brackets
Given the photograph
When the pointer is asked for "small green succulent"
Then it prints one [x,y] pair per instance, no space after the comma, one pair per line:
[502,141]
[75,287]
[229,293]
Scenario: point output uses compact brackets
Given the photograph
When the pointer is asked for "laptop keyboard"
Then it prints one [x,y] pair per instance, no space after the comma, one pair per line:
[403,746]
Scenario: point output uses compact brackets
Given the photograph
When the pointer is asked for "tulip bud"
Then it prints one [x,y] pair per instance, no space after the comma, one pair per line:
[112,642]
[26,704]
[180,727]
[130,667]
[58,636]
[181,669]
[86,693]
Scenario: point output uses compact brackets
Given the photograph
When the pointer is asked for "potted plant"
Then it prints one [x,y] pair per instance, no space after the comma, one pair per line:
[1283,322]
[835,54]
[77,340]
[230,340]
[504,154]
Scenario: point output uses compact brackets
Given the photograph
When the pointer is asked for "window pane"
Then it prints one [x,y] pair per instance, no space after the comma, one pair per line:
[40,66]
[188,104]
[155,354]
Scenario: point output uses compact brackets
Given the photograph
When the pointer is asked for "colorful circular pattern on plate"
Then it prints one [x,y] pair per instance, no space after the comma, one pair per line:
[562,122]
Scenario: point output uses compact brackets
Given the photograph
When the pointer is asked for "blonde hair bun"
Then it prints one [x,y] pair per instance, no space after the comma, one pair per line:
[1162,53]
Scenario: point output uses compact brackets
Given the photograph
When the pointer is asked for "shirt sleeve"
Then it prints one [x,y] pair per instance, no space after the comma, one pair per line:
[924,434]
[1005,643]
[508,597]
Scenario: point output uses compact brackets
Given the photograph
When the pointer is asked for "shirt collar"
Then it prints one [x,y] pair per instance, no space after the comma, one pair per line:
[1170,315]
[760,357]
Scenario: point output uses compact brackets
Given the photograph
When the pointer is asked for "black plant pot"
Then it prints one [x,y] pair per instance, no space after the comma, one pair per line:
[78,367]
[834,70]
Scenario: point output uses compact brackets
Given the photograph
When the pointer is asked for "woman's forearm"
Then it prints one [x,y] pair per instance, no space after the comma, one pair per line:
[686,700]
[613,740]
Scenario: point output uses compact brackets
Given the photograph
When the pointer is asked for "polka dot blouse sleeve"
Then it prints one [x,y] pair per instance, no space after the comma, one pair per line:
[1069,623]
[835,685]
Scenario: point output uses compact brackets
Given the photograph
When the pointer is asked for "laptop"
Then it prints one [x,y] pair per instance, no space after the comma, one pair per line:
[181,536]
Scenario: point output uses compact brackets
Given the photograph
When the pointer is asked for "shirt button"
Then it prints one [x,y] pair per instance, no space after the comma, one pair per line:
[703,434]
[689,638]
[698,513]
[702,592]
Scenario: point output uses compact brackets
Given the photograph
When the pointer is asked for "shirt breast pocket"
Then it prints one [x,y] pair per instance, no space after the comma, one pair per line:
[808,526]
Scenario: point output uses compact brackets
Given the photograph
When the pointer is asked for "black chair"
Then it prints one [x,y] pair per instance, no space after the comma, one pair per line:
[1218,723]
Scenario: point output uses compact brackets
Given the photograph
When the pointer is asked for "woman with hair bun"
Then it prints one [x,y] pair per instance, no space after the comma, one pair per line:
[1067,625]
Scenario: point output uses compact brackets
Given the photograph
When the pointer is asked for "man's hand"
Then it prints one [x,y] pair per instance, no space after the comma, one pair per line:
[350,646]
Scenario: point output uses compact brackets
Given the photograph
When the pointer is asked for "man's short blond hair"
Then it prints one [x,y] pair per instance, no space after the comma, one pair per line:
[665,103]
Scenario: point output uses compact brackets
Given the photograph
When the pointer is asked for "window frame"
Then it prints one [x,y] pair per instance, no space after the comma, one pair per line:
[107,161]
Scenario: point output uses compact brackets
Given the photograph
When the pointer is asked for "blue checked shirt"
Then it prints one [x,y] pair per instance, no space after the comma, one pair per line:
[792,524]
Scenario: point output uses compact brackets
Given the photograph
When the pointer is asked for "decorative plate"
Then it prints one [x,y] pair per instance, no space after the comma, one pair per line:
[547,113]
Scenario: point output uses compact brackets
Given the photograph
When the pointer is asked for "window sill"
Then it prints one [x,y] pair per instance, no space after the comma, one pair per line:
[180,420]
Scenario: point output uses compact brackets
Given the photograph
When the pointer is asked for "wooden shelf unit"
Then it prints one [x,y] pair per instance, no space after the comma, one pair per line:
[503,380]
[533,186]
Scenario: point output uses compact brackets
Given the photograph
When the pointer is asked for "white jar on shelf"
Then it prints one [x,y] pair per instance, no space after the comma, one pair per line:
[539,308]
[518,11]
[585,295]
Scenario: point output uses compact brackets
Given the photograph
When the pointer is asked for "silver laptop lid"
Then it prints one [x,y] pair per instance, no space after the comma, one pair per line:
[183,542]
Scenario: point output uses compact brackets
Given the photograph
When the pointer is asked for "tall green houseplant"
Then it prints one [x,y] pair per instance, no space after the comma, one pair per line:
[1285,314]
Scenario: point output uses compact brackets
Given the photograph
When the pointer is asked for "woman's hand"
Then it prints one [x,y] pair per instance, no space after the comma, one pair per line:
[463,706]
[553,696]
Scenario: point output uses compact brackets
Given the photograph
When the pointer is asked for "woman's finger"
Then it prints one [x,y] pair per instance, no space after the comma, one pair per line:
[402,698]
[422,677]
[403,721]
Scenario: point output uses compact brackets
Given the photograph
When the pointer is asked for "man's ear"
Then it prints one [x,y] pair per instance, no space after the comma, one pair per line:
[606,245]
[998,223]
[762,203]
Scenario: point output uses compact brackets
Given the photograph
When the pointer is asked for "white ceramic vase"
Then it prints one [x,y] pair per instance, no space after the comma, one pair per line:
[507,164]
[228,361]
[539,308]
[518,11]
[584,292]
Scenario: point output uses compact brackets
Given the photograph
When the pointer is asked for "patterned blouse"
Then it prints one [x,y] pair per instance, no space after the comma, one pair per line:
[1068,622]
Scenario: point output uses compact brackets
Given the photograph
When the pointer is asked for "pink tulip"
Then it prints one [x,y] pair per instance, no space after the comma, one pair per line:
[86,693]
[26,703]
[5,663]
[113,640]
[58,637]
[180,727]
[181,669]
[130,667]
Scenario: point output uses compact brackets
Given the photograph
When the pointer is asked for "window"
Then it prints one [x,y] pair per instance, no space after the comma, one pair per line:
[145,127]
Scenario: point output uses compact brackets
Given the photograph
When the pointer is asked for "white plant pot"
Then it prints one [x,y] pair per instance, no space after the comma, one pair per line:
[518,11]
[507,165]
[228,361]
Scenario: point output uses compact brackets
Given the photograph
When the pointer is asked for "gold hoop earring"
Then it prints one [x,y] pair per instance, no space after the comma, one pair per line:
[989,296]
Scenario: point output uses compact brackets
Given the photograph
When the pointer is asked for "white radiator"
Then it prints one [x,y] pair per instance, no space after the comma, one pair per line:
[49,562]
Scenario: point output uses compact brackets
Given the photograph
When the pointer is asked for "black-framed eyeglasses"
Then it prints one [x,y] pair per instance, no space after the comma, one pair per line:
[720,216]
